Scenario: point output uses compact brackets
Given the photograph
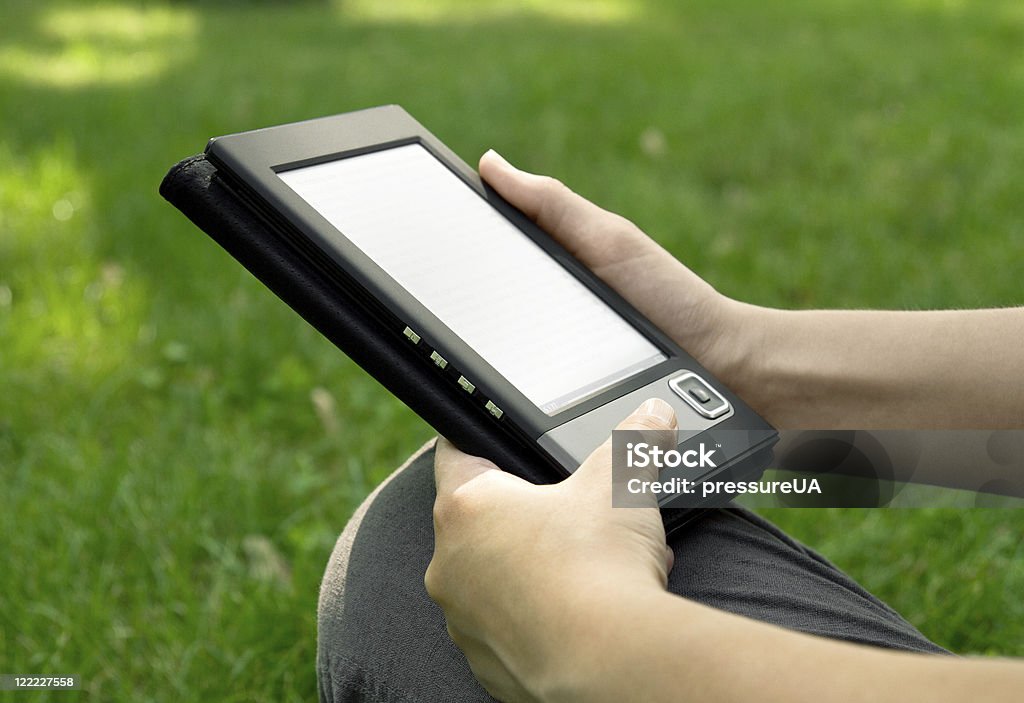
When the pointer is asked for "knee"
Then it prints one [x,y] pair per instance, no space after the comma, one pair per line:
[372,600]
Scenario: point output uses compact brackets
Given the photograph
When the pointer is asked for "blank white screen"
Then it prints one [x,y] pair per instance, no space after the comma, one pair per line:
[538,326]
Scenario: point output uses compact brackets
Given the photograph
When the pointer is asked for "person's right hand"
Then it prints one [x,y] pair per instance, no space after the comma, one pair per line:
[683,305]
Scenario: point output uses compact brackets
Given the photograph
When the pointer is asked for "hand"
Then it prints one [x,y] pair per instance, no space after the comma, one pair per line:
[524,572]
[704,322]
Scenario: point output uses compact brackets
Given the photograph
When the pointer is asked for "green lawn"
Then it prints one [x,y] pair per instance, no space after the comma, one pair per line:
[170,492]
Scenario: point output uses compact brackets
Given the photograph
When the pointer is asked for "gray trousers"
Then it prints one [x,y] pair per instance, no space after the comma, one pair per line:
[382,639]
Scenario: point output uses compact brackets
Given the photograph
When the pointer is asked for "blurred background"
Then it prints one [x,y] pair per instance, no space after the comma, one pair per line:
[178,450]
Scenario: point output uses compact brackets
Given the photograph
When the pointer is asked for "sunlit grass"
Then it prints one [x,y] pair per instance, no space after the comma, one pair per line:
[100,45]
[432,12]
[63,310]
[121,24]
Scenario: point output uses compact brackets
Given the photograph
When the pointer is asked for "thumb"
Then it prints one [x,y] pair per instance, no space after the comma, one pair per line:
[654,422]
[453,468]
[654,414]
[587,231]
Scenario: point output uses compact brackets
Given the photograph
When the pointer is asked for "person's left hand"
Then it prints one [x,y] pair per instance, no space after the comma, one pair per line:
[523,572]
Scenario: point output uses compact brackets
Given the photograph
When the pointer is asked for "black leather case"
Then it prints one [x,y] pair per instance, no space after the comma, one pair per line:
[193,186]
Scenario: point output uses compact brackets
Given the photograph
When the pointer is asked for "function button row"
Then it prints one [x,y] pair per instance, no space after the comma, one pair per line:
[464,383]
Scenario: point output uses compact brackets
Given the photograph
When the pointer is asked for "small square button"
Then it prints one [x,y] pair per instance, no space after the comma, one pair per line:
[699,395]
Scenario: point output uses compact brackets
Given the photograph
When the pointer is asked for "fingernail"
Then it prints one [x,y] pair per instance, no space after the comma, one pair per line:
[502,161]
[656,407]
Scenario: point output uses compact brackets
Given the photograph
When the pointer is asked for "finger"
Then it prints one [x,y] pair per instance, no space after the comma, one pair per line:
[454,468]
[586,230]
[654,422]
[654,414]
[655,418]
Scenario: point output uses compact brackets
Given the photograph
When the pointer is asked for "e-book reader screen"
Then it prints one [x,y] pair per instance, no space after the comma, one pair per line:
[490,284]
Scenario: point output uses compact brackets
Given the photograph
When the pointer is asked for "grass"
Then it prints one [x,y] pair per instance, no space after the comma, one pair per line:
[171,491]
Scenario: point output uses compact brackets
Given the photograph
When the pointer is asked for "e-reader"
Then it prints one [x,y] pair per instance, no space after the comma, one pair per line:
[492,308]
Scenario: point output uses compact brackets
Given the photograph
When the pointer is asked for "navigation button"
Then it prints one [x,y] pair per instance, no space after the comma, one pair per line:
[699,395]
